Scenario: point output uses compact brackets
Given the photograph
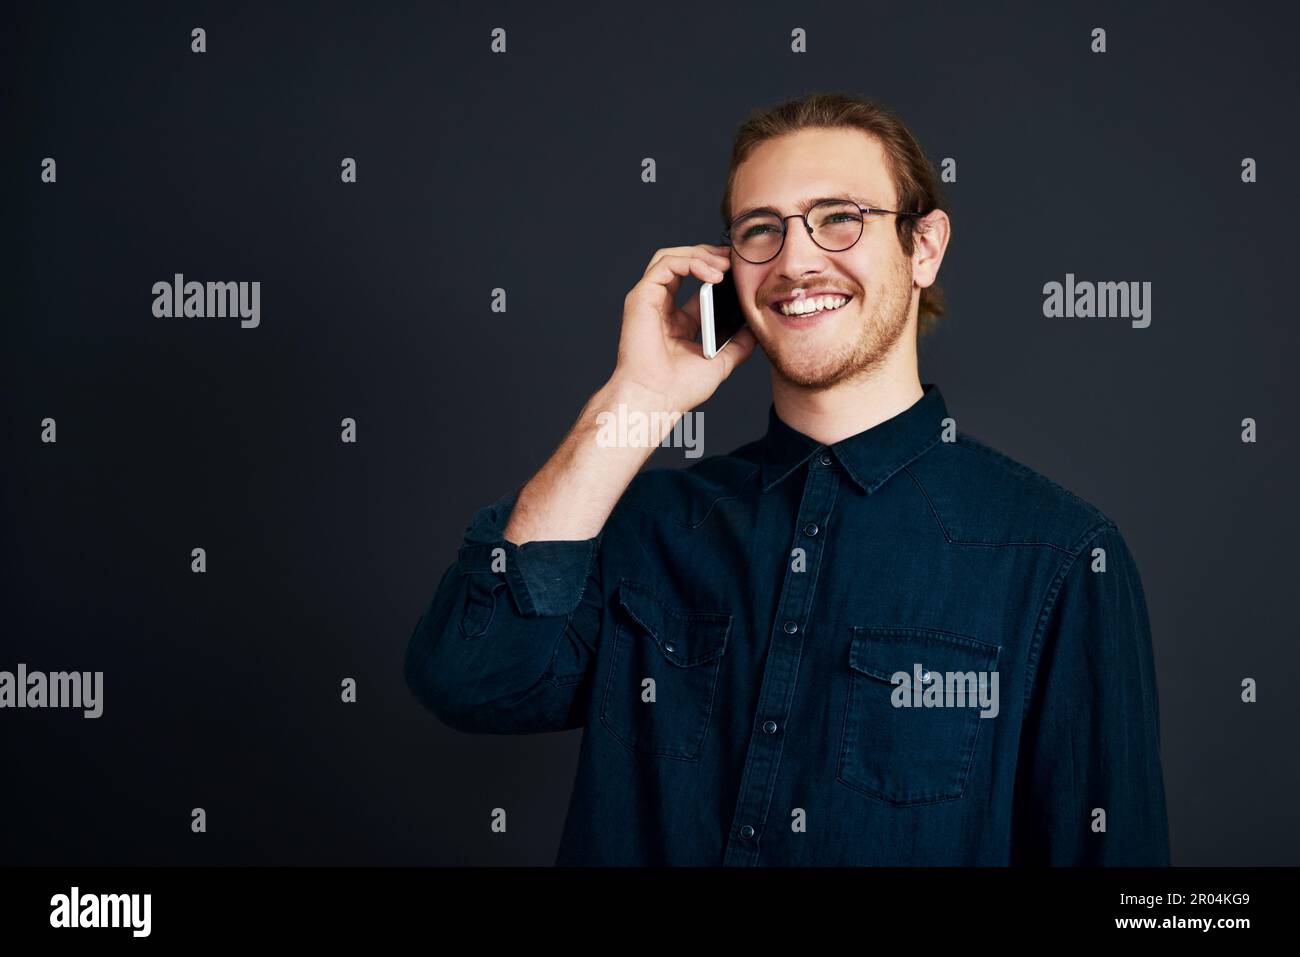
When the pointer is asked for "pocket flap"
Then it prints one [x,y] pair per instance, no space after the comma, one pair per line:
[882,651]
[684,638]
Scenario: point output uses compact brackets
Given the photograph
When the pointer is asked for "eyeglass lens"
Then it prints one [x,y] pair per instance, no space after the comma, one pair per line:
[836,226]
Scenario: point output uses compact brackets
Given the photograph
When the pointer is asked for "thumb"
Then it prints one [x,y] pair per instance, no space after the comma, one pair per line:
[740,348]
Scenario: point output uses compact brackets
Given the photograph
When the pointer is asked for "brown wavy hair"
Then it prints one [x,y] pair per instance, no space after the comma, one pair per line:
[914,178]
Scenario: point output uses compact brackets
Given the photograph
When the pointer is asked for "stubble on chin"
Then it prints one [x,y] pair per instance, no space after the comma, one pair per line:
[879,330]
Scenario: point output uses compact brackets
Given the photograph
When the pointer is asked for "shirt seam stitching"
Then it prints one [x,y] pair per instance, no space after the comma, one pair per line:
[1049,605]
[709,511]
[972,544]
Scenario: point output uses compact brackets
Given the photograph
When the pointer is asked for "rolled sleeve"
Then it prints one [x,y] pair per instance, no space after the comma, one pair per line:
[545,578]
[510,634]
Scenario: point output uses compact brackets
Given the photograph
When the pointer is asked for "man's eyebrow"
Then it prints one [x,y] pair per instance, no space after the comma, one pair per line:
[806,204]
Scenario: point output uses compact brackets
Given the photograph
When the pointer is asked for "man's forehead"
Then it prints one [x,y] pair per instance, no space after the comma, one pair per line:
[793,172]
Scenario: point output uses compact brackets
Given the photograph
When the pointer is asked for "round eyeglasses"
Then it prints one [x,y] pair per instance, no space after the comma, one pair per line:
[834,225]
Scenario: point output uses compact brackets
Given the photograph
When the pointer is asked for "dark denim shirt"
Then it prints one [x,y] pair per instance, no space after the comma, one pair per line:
[777,656]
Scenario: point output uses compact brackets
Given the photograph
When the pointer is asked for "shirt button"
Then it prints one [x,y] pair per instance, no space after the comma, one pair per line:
[746,831]
[769,727]
[810,529]
[669,647]
[791,627]
[825,459]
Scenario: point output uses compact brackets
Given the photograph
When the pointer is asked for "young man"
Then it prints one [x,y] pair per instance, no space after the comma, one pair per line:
[863,639]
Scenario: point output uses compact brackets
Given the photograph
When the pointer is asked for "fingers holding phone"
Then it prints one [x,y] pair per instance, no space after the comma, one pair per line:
[657,347]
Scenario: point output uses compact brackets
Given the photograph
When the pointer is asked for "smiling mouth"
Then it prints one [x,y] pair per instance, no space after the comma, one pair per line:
[799,318]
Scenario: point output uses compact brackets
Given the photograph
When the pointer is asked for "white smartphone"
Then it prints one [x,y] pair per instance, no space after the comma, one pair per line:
[720,314]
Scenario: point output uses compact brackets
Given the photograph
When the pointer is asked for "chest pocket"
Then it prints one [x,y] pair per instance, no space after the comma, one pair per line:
[913,754]
[663,673]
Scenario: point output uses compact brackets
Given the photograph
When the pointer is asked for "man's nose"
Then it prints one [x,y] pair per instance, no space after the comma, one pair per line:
[800,254]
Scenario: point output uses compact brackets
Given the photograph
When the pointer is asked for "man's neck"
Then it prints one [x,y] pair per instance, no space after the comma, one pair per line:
[851,406]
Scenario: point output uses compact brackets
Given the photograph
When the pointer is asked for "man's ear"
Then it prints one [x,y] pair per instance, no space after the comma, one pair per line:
[929,240]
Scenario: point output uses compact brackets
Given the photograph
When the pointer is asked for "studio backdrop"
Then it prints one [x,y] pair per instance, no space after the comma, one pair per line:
[423,220]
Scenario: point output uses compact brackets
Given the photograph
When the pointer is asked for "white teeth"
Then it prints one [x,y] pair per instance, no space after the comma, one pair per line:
[801,307]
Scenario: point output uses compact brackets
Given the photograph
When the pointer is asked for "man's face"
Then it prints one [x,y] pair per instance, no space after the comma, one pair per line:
[819,350]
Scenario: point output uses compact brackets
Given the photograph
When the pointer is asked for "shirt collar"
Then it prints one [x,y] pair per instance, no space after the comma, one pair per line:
[869,457]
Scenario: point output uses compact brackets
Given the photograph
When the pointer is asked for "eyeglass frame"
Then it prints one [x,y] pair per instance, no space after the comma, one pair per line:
[726,233]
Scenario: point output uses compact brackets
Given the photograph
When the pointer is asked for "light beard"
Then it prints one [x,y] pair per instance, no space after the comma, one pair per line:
[878,334]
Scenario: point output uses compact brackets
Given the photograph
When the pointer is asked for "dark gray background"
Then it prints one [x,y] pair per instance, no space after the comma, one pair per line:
[523,171]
